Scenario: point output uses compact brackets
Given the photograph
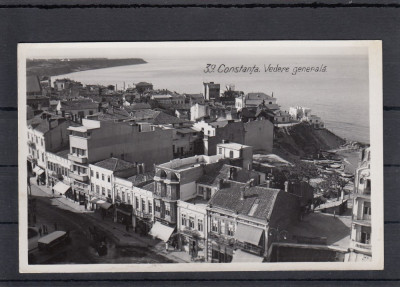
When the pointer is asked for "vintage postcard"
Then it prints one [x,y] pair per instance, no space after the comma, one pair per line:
[200,156]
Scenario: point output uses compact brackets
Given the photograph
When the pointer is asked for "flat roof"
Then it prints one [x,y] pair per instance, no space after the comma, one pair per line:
[235,146]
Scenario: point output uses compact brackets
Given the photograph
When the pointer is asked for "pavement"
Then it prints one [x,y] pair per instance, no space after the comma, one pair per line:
[115,230]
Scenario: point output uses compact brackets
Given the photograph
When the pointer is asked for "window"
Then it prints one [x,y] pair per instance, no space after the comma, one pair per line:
[123,196]
[97,189]
[231,230]
[97,175]
[222,229]
[191,222]
[108,178]
[214,226]
[200,224]
[367,208]
[150,207]
[220,150]
[157,208]
[231,154]
[103,191]
[167,210]
[41,142]
[91,173]
[109,192]
[102,176]
[201,190]
[42,156]
[143,205]
[137,202]
[92,187]
[184,220]
[128,195]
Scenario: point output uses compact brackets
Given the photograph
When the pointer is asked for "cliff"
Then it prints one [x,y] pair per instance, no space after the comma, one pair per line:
[54,67]
[303,140]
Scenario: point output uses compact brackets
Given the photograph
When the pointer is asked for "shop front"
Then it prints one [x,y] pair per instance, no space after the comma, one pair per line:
[40,174]
[193,244]
[124,213]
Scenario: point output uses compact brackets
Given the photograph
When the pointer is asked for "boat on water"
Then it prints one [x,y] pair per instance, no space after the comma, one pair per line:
[335,166]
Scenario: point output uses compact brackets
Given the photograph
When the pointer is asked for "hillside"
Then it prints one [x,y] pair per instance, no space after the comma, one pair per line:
[54,67]
[303,140]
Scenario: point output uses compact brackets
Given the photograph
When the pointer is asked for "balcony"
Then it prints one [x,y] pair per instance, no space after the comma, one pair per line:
[81,177]
[363,222]
[142,214]
[361,247]
[77,159]
[221,239]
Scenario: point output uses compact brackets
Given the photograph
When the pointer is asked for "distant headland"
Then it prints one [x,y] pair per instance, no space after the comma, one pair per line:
[55,67]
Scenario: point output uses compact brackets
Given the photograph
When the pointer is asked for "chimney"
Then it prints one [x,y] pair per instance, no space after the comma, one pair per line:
[242,190]
[268,183]
[286,186]
[220,183]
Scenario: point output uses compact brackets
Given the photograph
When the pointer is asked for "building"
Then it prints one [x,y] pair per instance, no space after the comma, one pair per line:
[361,225]
[244,221]
[281,117]
[211,91]
[57,172]
[97,140]
[299,113]
[258,134]
[191,226]
[135,202]
[76,110]
[64,84]
[143,87]
[46,133]
[255,100]
[186,142]
[193,99]
[315,122]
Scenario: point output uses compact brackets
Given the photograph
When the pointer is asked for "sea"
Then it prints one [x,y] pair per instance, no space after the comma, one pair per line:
[340,95]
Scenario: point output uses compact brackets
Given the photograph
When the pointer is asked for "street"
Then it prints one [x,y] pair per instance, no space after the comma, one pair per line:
[50,211]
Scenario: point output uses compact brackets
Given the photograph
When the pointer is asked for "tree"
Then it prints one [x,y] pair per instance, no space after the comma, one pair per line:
[302,171]
[333,184]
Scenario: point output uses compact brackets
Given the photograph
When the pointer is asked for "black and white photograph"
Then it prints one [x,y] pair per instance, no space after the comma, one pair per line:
[200,156]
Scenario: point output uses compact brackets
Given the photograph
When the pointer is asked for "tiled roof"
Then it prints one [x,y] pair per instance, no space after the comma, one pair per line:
[222,171]
[63,153]
[140,178]
[149,187]
[229,198]
[137,106]
[115,164]
[258,96]
[42,125]
[78,105]
[33,84]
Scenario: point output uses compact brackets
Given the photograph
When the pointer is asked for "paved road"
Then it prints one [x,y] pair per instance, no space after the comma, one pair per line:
[50,211]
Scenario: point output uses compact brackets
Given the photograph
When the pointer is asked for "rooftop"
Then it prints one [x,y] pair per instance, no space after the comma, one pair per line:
[234,146]
[258,202]
[140,178]
[149,187]
[258,96]
[63,153]
[115,164]
[180,164]
[33,84]
[78,105]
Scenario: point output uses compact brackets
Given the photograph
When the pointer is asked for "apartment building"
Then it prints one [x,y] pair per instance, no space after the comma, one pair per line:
[361,226]
[96,140]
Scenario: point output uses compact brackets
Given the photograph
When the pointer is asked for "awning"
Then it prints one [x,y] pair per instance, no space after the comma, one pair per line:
[38,170]
[241,256]
[249,234]
[94,200]
[161,231]
[61,187]
[105,205]
[100,201]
